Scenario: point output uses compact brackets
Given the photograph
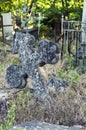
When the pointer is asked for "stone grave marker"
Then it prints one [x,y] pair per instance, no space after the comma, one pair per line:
[30,61]
[7,23]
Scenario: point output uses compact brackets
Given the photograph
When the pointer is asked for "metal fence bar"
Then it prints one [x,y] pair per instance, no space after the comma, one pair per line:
[72,32]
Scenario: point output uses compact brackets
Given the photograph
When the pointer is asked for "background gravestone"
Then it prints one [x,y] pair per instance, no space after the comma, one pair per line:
[7,23]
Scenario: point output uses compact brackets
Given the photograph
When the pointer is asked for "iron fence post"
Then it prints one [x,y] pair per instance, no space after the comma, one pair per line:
[62,33]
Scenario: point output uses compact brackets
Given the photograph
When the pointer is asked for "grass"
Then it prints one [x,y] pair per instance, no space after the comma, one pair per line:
[67,108]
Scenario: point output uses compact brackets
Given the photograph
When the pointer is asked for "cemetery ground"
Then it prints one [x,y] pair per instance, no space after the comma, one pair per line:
[66,108]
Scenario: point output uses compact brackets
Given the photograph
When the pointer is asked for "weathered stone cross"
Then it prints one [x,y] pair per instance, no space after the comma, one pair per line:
[30,60]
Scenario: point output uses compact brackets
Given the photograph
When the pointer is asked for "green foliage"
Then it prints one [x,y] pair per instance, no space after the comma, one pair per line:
[69,72]
[52,9]
[71,75]
[17,105]
[21,103]
[22,129]
[22,99]
[3,49]
[80,70]
[10,119]
[1,1]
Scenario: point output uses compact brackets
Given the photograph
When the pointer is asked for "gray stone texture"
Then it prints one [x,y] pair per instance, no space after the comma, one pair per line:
[48,51]
[57,84]
[30,60]
[36,125]
[15,76]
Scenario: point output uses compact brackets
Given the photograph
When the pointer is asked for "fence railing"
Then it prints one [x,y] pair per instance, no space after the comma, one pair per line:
[72,40]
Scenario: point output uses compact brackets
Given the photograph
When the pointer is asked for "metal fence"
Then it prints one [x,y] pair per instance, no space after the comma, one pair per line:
[72,40]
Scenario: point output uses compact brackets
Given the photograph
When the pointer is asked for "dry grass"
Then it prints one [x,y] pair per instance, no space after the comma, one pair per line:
[68,108]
